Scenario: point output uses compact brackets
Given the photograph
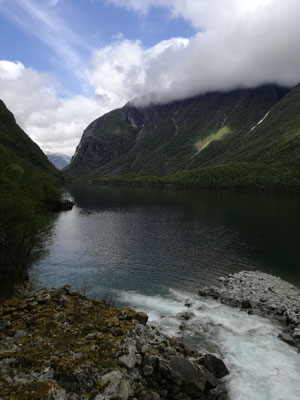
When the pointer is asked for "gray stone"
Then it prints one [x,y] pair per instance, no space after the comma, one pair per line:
[64,301]
[128,360]
[185,316]
[285,337]
[117,387]
[20,334]
[81,380]
[91,336]
[188,303]
[147,370]
[214,365]
[296,334]
[70,290]
[148,395]
[44,299]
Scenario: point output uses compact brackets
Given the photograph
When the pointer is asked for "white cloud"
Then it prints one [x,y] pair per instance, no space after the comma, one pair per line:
[55,123]
[120,71]
[243,43]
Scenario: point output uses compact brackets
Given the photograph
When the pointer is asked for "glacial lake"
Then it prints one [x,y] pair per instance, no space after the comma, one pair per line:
[152,239]
[153,248]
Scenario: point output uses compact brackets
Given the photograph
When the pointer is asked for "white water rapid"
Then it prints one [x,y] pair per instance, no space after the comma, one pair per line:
[261,366]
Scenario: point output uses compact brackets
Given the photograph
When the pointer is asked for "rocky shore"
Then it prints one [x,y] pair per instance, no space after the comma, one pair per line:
[262,294]
[57,344]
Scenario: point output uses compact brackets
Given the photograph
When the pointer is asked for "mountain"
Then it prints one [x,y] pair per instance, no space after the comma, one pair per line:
[15,140]
[59,160]
[245,125]
[29,187]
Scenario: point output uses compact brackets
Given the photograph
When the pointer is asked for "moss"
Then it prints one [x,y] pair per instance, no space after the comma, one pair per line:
[32,391]
[56,336]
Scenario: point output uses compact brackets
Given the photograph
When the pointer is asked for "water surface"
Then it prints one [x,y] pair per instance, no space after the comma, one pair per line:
[152,248]
[149,239]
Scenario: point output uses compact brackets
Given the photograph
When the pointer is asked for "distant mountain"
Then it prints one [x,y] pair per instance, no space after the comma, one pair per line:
[246,125]
[59,160]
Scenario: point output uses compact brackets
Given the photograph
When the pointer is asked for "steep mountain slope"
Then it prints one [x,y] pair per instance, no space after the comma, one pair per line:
[206,130]
[28,188]
[59,160]
[14,139]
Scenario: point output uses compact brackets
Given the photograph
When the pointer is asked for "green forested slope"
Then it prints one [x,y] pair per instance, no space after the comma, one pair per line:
[208,130]
[28,189]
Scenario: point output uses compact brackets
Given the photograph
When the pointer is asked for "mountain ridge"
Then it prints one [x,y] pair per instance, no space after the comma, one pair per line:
[212,129]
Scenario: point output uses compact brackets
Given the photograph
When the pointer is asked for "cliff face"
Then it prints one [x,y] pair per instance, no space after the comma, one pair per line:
[206,130]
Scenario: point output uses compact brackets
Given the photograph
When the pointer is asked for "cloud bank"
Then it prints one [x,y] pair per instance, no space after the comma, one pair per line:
[240,43]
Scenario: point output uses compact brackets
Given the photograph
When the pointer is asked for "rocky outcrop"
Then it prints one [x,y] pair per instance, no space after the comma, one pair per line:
[56,344]
[262,294]
[64,205]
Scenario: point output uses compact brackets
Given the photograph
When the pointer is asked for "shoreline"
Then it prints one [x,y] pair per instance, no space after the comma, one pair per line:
[58,344]
[185,186]
[264,295]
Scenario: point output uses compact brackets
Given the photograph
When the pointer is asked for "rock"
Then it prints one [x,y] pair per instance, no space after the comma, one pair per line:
[246,304]
[128,360]
[214,365]
[185,316]
[44,299]
[70,290]
[91,336]
[64,301]
[117,387]
[148,395]
[147,370]
[296,334]
[64,205]
[188,303]
[20,334]
[285,337]
[142,318]
[80,379]
[261,294]
[151,360]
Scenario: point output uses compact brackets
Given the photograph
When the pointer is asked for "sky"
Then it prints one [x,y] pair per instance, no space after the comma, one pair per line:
[64,63]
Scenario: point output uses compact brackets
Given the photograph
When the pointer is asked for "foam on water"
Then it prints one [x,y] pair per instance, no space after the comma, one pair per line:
[261,366]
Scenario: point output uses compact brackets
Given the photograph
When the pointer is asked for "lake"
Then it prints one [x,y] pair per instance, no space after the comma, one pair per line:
[154,239]
[153,248]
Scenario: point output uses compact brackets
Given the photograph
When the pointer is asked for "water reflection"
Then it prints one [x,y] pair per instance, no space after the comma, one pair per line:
[149,239]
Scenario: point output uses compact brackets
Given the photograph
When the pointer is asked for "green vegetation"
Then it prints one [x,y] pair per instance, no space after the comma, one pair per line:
[207,130]
[28,190]
[244,139]
[239,176]
[48,343]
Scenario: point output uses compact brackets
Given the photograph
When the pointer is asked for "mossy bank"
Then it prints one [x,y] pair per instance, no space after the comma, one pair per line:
[58,344]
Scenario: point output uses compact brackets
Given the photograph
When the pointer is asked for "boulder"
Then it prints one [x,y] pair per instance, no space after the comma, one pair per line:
[214,365]
[117,387]
[142,318]
[188,303]
[128,360]
[44,298]
[285,337]
[185,316]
